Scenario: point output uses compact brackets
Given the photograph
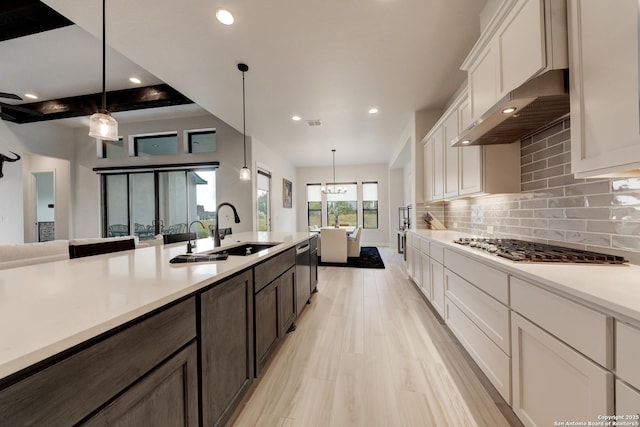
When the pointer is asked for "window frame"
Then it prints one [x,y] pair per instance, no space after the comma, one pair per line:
[376,210]
[309,210]
[151,136]
[191,133]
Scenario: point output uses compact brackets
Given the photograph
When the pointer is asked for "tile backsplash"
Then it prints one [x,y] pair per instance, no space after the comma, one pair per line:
[553,207]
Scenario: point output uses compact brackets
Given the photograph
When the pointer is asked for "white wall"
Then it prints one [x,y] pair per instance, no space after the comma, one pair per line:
[354,173]
[47,139]
[282,219]
[229,153]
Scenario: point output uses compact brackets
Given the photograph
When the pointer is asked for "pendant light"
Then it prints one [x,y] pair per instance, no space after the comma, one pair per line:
[101,124]
[334,189]
[245,173]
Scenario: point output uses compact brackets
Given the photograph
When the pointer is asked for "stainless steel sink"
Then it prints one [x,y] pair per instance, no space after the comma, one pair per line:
[245,249]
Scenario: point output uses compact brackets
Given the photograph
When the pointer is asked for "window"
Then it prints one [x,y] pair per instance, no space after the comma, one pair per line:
[113,149]
[150,202]
[314,205]
[264,201]
[202,141]
[369,205]
[155,145]
[343,207]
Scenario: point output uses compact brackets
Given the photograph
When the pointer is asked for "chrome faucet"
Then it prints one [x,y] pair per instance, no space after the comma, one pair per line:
[190,245]
[216,230]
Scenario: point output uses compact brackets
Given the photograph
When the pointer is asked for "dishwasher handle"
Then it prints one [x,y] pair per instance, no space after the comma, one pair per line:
[302,249]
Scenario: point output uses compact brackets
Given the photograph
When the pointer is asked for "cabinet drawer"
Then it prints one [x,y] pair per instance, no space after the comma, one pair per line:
[584,329]
[627,401]
[494,363]
[628,353]
[424,246]
[487,313]
[266,272]
[552,382]
[492,281]
[436,252]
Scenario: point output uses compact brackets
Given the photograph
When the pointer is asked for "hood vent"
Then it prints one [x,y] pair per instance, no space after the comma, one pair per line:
[537,103]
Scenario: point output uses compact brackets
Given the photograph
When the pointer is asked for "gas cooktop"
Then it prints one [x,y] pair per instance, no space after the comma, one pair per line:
[522,250]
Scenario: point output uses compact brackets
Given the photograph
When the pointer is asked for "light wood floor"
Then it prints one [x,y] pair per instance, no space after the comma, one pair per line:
[368,352]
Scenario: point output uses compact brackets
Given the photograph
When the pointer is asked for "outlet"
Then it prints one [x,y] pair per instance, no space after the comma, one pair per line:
[455,225]
[489,229]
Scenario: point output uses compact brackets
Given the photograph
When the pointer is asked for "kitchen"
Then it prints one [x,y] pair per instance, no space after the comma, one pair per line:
[558,207]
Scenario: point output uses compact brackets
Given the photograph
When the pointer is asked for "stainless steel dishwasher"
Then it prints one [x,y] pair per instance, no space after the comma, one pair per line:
[303,276]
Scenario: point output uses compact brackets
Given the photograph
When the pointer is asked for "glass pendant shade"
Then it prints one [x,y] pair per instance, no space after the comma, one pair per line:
[245,174]
[103,126]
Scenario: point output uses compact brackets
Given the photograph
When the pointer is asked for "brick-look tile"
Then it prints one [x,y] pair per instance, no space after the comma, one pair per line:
[553,206]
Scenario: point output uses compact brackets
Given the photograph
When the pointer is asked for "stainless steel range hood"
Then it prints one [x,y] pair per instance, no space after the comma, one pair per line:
[537,103]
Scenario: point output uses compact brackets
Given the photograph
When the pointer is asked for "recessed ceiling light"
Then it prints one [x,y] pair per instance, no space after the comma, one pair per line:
[135,80]
[224,16]
[509,110]
[296,118]
[31,96]
[373,110]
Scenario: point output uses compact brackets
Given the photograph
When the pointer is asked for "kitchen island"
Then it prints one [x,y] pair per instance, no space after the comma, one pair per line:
[123,308]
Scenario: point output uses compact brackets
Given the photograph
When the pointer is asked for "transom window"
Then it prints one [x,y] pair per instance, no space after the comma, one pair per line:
[156,144]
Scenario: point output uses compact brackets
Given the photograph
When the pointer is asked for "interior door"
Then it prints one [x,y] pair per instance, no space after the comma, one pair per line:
[45,206]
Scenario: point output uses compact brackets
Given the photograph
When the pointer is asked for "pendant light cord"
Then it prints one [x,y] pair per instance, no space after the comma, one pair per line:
[244,125]
[104,56]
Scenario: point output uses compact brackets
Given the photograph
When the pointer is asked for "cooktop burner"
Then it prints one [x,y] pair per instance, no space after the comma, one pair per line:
[522,250]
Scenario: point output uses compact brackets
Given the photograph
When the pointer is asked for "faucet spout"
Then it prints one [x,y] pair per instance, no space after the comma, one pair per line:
[216,230]
[190,245]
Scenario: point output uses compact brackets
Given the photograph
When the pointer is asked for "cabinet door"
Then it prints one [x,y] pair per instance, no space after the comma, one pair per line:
[226,331]
[483,89]
[470,161]
[605,116]
[449,132]
[428,170]
[425,276]
[522,45]
[627,402]
[165,397]
[553,382]
[437,286]
[438,165]
[267,329]
[287,300]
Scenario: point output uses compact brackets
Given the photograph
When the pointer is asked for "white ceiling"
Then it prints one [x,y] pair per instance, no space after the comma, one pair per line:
[329,60]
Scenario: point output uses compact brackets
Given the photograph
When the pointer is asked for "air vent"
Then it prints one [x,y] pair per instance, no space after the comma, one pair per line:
[314,122]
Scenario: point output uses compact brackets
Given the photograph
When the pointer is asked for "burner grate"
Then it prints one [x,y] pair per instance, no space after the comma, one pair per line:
[524,251]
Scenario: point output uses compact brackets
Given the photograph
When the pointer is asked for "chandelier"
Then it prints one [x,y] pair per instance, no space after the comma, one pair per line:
[333,189]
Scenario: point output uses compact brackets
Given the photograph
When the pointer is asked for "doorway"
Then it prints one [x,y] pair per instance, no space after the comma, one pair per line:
[264,200]
[45,206]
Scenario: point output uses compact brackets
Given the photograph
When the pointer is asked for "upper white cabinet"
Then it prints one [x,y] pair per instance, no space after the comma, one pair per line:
[452,172]
[523,39]
[605,117]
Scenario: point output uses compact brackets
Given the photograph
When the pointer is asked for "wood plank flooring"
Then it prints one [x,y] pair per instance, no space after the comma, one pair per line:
[368,352]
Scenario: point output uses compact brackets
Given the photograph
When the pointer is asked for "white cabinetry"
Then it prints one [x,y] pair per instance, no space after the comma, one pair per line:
[627,370]
[553,382]
[523,39]
[452,172]
[605,116]
[627,401]
[437,277]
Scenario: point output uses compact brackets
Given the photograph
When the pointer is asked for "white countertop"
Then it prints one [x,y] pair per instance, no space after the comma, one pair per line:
[50,307]
[612,288]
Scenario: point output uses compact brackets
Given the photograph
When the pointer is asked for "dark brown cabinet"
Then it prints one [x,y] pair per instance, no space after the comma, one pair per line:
[165,397]
[226,334]
[274,303]
[129,373]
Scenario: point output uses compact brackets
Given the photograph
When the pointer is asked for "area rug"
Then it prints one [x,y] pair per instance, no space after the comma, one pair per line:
[369,258]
